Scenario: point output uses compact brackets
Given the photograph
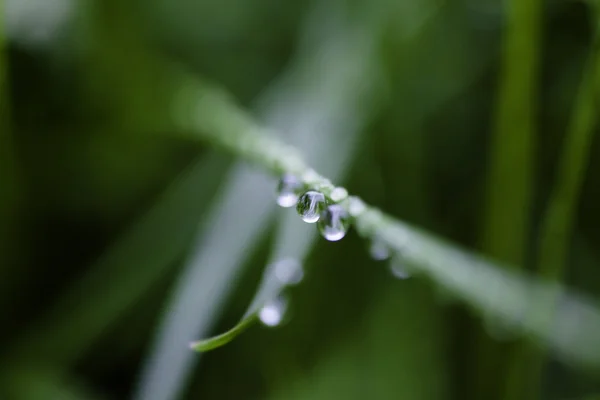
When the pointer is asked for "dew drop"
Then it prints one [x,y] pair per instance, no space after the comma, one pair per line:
[338,194]
[398,269]
[310,206]
[334,223]
[356,206]
[271,314]
[379,251]
[288,190]
[289,271]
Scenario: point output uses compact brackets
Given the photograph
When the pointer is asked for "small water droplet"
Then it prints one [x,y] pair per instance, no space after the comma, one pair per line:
[356,206]
[288,190]
[398,269]
[289,271]
[271,314]
[310,206]
[338,194]
[379,251]
[311,176]
[334,223]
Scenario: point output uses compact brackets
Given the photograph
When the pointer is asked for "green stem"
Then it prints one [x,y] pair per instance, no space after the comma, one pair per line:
[207,113]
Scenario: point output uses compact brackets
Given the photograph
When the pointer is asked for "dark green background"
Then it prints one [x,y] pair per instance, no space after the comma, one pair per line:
[84,157]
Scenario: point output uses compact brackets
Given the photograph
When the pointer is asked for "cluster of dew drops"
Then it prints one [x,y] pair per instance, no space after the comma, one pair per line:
[332,220]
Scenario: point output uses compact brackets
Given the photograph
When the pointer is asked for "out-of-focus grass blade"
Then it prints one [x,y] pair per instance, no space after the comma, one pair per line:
[507,220]
[331,110]
[508,295]
[558,220]
[142,255]
[238,218]
[316,112]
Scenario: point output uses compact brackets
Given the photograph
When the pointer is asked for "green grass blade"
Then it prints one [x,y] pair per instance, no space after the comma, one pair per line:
[557,223]
[510,178]
[510,188]
[139,258]
[224,338]
[485,286]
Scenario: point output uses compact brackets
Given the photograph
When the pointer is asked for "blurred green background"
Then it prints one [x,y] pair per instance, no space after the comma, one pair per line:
[122,239]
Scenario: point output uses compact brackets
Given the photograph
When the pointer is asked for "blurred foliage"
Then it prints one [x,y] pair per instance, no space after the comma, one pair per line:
[100,203]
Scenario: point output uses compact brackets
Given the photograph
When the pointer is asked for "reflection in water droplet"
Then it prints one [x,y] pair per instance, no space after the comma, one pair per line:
[271,314]
[289,271]
[398,269]
[288,190]
[379,251]
[310,206]
[334,223]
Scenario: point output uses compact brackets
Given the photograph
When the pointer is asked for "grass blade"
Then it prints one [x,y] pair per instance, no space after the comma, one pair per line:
[85,311]
[557,223]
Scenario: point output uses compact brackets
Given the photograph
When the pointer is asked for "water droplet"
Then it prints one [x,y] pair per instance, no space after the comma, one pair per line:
[356,206]
[379,250]
[398,269]
[288,190]
[289,271]
[310,206]
[334,223]
[271,314]
[311,177]
[338,194]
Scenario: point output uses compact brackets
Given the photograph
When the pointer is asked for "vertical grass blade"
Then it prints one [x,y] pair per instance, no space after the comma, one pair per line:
[510,179]
[559,217]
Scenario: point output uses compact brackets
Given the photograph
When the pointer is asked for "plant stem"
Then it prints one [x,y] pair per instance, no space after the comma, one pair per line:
[207,113]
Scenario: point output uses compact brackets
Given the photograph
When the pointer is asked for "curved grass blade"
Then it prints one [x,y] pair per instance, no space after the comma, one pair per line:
[343,117]
[224,338]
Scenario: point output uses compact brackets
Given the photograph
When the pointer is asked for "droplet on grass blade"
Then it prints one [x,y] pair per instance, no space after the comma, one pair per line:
[288,190]
[289,271]
[356,206]
[398,269]
[338,194]
[334,223]
[378,250]
[310,205]
[272,313]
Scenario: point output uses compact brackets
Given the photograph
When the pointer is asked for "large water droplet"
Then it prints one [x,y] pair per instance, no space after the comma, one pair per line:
[379,250]
[334,223]
[288,190]
[271,314]
[289,271]
[310,206]
[398,269]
